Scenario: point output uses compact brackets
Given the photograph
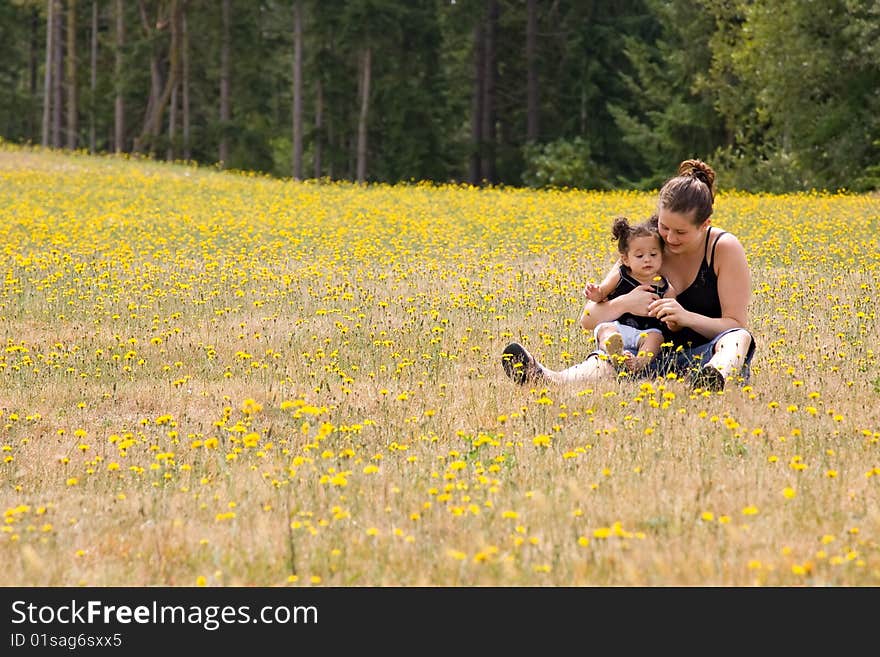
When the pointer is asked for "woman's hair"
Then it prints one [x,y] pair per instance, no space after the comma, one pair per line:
[623,232]
[693,189]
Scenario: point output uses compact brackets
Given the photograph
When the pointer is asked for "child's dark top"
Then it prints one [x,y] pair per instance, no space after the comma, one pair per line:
[626,284]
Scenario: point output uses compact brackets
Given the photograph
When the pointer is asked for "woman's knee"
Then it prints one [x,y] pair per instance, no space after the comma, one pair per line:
[738,339]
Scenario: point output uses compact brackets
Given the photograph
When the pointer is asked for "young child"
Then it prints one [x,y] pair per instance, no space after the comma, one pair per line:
[630,339]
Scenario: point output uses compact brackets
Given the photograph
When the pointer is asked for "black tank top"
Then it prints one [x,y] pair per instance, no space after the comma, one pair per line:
[627,284]
[700,297]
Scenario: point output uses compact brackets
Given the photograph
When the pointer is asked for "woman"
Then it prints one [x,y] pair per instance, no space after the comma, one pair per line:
[706,322]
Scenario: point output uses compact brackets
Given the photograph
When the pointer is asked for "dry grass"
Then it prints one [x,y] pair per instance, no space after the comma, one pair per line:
[223,379]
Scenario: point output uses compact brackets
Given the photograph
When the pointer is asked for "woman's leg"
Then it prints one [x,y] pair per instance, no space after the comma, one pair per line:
[523,368]
[593,368]
[731,352]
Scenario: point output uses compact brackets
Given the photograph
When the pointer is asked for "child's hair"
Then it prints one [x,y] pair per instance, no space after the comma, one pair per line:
[623,232]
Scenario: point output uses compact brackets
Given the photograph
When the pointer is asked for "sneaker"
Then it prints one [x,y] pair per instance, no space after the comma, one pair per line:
[519,364]
[708,378]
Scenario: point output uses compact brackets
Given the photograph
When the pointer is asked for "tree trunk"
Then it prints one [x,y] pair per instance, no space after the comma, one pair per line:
[184,56]
[330,136]
[47,74]
[57,74]
[172,122]
[174,103]
[93,76]
[319,124]
[72,100]
[224,86]
[160,91]
[489,118]
[119,105]
[532,66]
[297,91]
[362,118]
[583,112]
[477,106]
[33,64]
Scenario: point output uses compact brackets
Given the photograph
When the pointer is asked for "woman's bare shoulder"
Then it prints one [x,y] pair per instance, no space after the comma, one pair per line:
[728,245]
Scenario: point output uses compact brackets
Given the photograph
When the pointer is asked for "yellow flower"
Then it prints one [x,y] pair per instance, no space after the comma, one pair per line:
[250,407]
[541,440]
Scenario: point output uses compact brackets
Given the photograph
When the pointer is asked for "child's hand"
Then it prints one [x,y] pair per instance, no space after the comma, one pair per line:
[593,292]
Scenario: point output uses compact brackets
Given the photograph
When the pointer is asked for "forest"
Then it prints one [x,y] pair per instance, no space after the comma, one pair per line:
[778,95]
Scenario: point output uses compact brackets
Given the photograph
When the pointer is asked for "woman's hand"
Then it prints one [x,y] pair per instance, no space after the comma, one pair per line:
[634,302]
[638,300]
[670,312]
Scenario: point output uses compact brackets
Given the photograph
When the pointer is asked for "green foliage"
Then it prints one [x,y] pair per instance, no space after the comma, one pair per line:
[778,95]
[562,163]
[670,116]
[797,84]
[751,169]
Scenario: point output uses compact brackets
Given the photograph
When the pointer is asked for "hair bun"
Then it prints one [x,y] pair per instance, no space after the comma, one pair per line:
[620,228]
[698,170]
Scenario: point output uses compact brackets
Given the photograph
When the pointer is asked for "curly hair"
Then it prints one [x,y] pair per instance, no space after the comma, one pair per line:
[624,232]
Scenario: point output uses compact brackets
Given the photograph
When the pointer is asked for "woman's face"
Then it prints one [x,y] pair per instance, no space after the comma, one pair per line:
[679,232]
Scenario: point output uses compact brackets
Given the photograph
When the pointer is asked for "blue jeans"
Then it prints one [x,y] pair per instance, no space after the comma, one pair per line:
[682,361]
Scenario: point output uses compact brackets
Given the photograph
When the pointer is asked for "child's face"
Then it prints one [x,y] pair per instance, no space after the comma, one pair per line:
[643,255]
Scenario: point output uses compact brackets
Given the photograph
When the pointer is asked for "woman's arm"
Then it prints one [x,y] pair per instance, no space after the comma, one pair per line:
[734,293]
[734,282]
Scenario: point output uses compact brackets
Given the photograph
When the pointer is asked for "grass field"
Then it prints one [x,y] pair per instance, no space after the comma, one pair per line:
[220,379]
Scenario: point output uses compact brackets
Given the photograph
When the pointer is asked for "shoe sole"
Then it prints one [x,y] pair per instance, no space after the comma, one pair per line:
[709,378]
[514,360]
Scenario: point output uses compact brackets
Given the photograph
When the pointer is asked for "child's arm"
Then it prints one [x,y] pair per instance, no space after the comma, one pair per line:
[600,292]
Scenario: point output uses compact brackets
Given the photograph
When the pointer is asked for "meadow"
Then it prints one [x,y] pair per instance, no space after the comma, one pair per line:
[219,379]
